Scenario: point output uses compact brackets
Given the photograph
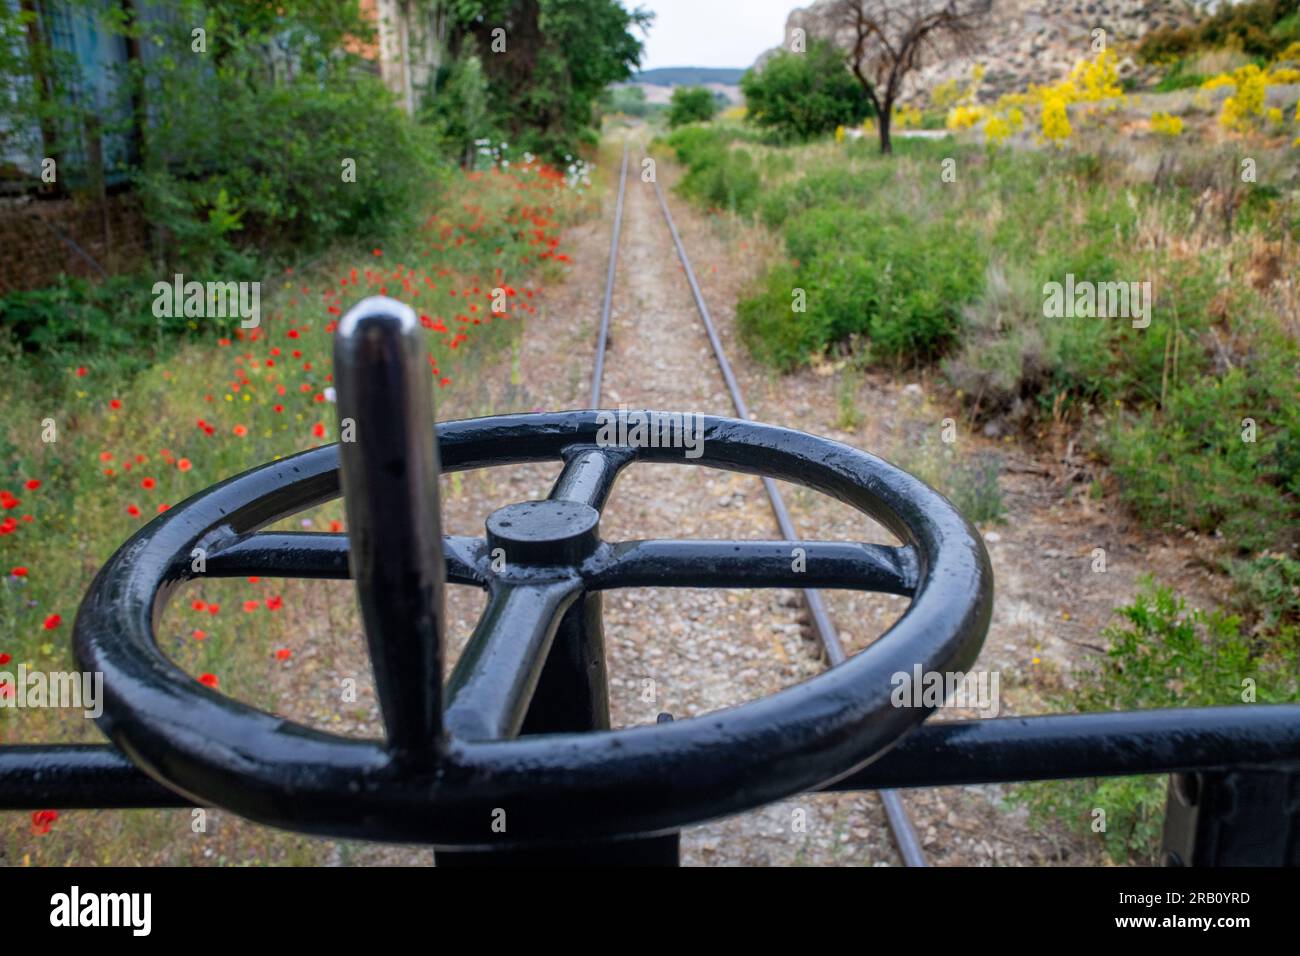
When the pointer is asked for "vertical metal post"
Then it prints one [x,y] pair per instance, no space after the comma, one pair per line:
[573,692]
[1233,818]
[389,471]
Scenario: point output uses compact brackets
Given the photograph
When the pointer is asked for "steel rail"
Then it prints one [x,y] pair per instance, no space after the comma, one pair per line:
[909,846]
[602,340]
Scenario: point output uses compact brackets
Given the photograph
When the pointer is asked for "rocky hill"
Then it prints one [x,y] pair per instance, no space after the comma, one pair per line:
[1034,41]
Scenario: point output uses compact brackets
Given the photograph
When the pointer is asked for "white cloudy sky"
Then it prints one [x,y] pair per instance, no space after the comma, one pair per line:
[712,32]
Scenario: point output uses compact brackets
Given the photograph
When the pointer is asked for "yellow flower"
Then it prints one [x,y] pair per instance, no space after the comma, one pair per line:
[1166,124]
[1055,120]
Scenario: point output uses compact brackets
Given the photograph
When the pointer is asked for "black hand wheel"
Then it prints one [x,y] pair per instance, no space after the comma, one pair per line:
[446,773]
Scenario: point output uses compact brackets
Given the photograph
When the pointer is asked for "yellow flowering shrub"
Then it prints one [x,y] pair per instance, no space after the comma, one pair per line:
[1096,79]
[964,117]
[1166,124]
[1247,99]
[1055,120]
[907,117]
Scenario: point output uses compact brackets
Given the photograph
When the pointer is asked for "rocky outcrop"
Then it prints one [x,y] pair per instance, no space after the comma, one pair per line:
[1031,41]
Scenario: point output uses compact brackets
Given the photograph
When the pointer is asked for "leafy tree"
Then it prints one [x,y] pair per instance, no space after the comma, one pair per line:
[547,63]
[801,95]
[458,107]
[690,104]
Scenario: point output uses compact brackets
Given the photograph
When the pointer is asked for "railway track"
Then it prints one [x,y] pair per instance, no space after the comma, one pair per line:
[903,833]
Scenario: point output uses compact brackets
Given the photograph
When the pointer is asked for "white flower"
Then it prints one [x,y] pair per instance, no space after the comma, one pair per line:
[330,394]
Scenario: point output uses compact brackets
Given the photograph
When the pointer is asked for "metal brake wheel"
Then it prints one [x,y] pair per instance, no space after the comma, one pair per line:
[521,724]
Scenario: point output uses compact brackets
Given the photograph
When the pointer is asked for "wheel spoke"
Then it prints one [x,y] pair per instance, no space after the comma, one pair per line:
[310,554]
[754,564]
[493,683]
[589,475]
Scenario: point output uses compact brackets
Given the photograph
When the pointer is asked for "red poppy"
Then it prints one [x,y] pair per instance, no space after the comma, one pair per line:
[199,634]
[42,820]
[283,654]
[5,659]
[19,572]
[318,430]
[81,371]
[183,464]
[148,484]
[115,403]
[52,622]
[240,430]
[251,605]
[133,511]
[32,484]
[214,608]
[209,680]
[274,603]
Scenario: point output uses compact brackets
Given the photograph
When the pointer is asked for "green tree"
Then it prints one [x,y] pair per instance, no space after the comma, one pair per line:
[547,63]
[690,104]
[801,95]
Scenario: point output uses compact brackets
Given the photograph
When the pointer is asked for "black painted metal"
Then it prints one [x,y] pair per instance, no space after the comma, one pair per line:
[637,781]
[389,471]
[525,730]
[1233,818]
[938,754]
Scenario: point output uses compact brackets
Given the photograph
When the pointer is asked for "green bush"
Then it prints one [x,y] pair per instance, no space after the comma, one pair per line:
[1262,28]
[900,286]
[281,188]
[76,321]
[797,96]
[690,104]
[1161,654]
[1190,463]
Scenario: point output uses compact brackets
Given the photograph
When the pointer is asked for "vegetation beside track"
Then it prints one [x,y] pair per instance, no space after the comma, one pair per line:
[936,260]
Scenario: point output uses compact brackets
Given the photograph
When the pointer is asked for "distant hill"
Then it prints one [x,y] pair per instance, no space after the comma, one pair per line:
[689,76]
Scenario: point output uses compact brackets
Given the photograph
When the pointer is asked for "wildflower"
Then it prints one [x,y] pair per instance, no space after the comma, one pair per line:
[283,654]
[32,484]
[147,484]
[42,820]
[19,572]
[133,511]
[52,622]
[183,464]
[209,680]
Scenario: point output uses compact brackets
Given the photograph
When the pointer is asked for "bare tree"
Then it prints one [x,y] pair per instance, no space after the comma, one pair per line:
[887,39]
